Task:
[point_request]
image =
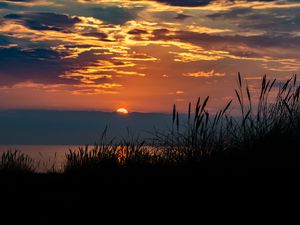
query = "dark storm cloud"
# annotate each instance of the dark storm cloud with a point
(45, 21)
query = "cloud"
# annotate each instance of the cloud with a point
(272, 52)
(211, 73)
(137, 31)
(181, 16)
(247, 46)
(87, 48)
(223, 3)
(40, 65)
(3, 5)
(212, 41)
(45, 21)
(186, 3)
(29, 4)
(77, 89)
(113, 15)
(4, 40)
(272, 21)
(46, 69)
(20, 0)
(100, 35)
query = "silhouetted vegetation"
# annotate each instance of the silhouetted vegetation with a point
(265, 135)
(111, 156)
(16, 162)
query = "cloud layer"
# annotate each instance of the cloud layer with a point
(132, 52)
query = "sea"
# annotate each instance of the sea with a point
(46, 157)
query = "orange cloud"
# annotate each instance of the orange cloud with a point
(211, 73)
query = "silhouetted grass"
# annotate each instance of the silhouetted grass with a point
(268, 130)
(265, 135)
(111, 156)
(16, 162)
(198, 138)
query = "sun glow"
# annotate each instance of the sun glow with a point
(122, 111)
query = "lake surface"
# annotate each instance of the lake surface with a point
(45, 156)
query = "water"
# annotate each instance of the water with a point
(45, 156)
(49, 157)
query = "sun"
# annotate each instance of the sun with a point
(122, 111)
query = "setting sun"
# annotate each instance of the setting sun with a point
(122, 111)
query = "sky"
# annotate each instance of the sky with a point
(141, 55)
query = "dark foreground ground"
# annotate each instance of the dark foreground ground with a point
(156, 197)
